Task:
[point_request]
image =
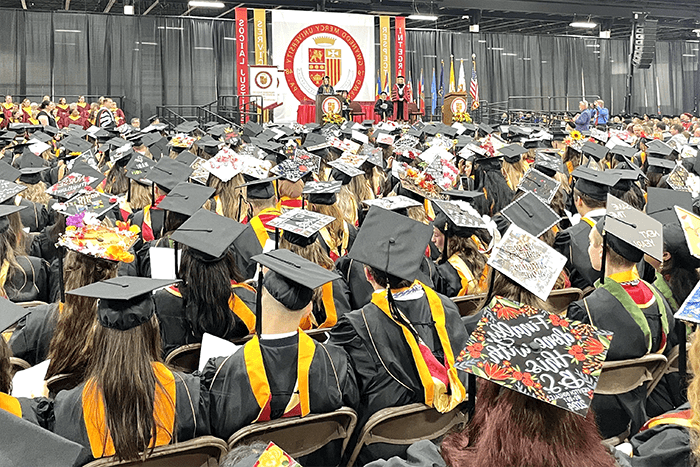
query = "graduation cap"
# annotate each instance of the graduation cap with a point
(632, 233)
(689, 311)
(678, 178)
(594, 183)
(297, 166)
(186, 157)
(690, 226)
(41, 136)
(343, 172)
(485, 129)
(457, 219)
(31, 163)
(138, 167)
(322, 192)
(512, 153)
(658, 165)
(259, 188)
(300, 226)
(186, 198)
(252, 129)
(168, 172)
(70, 185)
(539, 184)
(52, 130)
(465, 195)
(659, 148)
(569, 385)
(9, 173)
(74, 145)
(8, 190)
(530, 213)
(10, 313)
(392, 203)
(187, 127)
(623, 150)
(125, 301)
(98, 241)
(527, 260)
(549, 163)
(91, 201)
(596, 151)
(209, 144)
(208, 233)
(391, 243)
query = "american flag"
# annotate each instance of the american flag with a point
(474, 87)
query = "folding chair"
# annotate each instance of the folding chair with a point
(355, 110)
(301, 436)
(185, 358)
(62, 382)
(205, 451)
(407, 425)
(469, 305)
(18, 364)
(560, 299)
(31, 304)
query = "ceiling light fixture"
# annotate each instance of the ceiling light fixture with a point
(583, 24)
(604, 35)
(420, 17)
(205, 4)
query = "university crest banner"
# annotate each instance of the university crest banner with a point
(311, 45)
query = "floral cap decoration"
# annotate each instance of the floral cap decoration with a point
(86, 235)
(537, 353)
(274, 456)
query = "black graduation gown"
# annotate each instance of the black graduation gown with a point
(614, 412)
(157, 222)
(383, 112)
(31, 338)
(448, 282)
(341, 301)
(38, 411)
(353, 273)
(233, 404)
(43, 246)
(34, 215)
(386, 372)
(191, 412)
(175, 330)
(31, 282)
(573, 244)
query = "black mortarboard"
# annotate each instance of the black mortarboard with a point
(9, 173)
(75, 145)
(659, 165)
(168, 172)
(485, 129)
(512, 153)
(466, 195)
(659, 148)
(53, 131)
(31, 163)
(596, 151)
(322, 192)
(622, 150)
(260, 189)
(138, 168)
(391, 243)
(548, 163)
(10, 313)
(208, 233)
(186, 157)
(594, 183)
(208, 144)
(454, 220)
(186, 198)
(186, 127)
(530, 214)
(539, 184)
(660, 203)
(125, 301)
(41, 136)
(252, 129)
(633, 232)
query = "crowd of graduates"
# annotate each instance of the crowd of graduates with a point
(335, 255)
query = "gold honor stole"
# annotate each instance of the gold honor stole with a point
(298, 404)
(10, 404)
(101, 442)
(443, 397)
(336, 251)
(469, 283)
(219, 205)
(682, 418)
(309, 322)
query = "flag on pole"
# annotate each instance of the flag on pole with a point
(409, 84)
(461, 83)
(452, 74)
(379, 85)
(433, 96)
(442, 81)
(421, 94)
(474, 86)
(387, 88)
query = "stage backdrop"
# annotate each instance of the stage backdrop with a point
(310, 45)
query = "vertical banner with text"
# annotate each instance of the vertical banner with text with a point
(385, 52)
(242, 56)
(400, 46)
(260, 36)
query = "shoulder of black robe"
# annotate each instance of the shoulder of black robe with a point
(174, 328)
(663, 445)
(31, 338)
(35, 215)
(29, 283)
(448, 281)
(578, 263)
(353, 273)
(341, 299)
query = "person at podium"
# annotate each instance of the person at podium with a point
(325, 88)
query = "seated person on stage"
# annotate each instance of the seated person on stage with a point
(344, 105)
(163, 406)
(627, 306)
(282, 372)
(325, 88)
(383, 107)
(403, 344)
(590, 192)
(211, 297)
(263, 202)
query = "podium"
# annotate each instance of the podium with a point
(326, 103)
(455, 102)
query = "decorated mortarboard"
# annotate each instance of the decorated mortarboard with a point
(122, 154)
(8, 190)
(353, 160)
(187, 127)
(539, 184)
(392, 203)
(182, 140)
(322, 192)
(273, 455)
(91, 201)
(678, 178)
(440, 141)
(599, 135)
(659, 148)
(37, 147)
(392, 243)
(208, 233)
(690, 223)
(70, 185)
(299, 165)
(225, 165)
(417, 182)
(689, 311)
(659, 165)
(406, 142)
(442, 171)
(168, 172)
(530, 213)
(634, 232)
(138, 168)
(688, 152)
(457, 218)
(516, 363)
(549, 163)
(596, 151)
(86, 235)
(594, 183)
(345, 169)
(125, 301)
(385, 138)
(528, 261)
(512, 153)
(301, 224)
(660, 203)
(186, 198)
(9, 173)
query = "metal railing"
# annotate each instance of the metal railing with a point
(547, 110)
(240, 108)
(176, 114)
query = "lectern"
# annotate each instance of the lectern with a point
(327, 103)
(455, 102)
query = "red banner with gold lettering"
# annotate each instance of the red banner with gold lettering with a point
(242, 56)
(400, 33)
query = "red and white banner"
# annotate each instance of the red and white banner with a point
(400, 47)
(242, 53)
(311, 45)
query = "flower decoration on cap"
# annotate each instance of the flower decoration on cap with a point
(86, 235)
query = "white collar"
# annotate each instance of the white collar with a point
(283, 335)
(600, 212)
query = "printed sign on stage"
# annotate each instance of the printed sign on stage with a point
(315, 44)
(264, 81)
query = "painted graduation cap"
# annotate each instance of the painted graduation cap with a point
(690, 224)
(392, 203)
(168, 172)
(530, 213)
(99, 241)
(596, 151)
(322, 192)
(138, 168)
(539, 184)
(91, 201)
(689, 311)
(391, 243)
(8, 190)
(487, 356)
(125, 301)
(660, 203)
(594, 183)
(300, 226)
(633, 232)
(455, 218)
(512, 153)
(186, 198)
(208, 233)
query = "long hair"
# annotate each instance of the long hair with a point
(121, 368)
(498, 193)
(467, 250)
(510, 429)
(21, 240)
(347, 206)
(9, 254)
(361, 188)
(206, 290)
(314, 252)
(514, 172)
(117, 182)
(694, 393)
(682, 276)
(5, 367)
(139, 196)
(229, 195)
(335, 228)
(72, 340)
(506, 287)
(35, 192)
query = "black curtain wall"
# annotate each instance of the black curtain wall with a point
(155, 61)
